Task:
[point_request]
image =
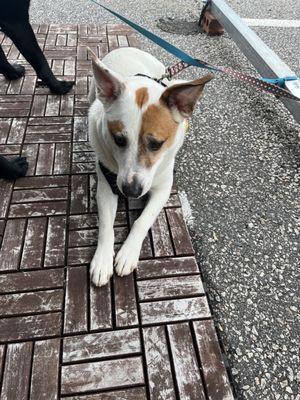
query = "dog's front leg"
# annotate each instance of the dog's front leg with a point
(101, 268)
(128, 256)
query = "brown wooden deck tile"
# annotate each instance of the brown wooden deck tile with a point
(125, 301)
(174, 310)
(45, 370)
(30, 303)
(161, 385)
(101, 345)
(175, 287)
(166, 267)
(16, 376)
(29, 327)
(128, 394)
(185, 362)
(147, 336)
(102, 375)
(76, 300)
(215, 374)
(32, 280)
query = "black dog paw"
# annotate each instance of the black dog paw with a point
(62, 87)
(18, 167)
(15, 72)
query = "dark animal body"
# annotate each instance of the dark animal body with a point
(14, 22)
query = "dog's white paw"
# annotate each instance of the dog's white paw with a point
(101, 268)
(127, 258)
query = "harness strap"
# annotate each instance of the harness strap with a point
(154, 79)
(111, 179)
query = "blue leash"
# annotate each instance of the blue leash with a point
(274, 86)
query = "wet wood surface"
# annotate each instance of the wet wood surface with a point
(148, 336)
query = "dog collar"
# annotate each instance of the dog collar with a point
(153, 79)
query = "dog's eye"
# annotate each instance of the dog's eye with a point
(120, 140)
(154, 145)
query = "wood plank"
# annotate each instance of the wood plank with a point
(100, 307)
(37, 195)
(125, 301)
(102, 375)
(214, 371)
(127, 394)
(10, 252)
(62, 159)
(187, 372)
(33, 326)
(26, 281)
(180, 286)
(81, 255)
(46, 208)
(167, 267)
(76, 300)
(174, 310)
(180, 235)
(45, 370)
(158, 364)
(99, 345)
(33, 249)
(79, 194)
(5, 193)
(89, 237)
(45, 159)
(162, 243)
(56, 242)
(16, 375)
(41, 182)
(17, 131)
(30, 303)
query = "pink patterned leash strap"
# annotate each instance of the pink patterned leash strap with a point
(260, 84)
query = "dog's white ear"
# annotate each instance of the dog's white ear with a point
(108, 86)
(182, 98)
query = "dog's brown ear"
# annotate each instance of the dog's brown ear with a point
(182, 98)
(108, 86)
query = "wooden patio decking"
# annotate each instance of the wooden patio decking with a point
(146, 336)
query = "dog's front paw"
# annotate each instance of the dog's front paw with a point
(101, 268)
(128, 257)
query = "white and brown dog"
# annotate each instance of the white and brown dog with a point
(136, 127)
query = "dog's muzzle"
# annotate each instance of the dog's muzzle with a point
(133, 189)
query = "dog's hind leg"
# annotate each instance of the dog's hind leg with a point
(10, 71)
(22, 35)
(101, 268)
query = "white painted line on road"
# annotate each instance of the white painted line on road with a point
(275, 23)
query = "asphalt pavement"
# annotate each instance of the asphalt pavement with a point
(239, 171)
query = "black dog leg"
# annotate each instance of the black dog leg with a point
(10, 72)
(13, 169)
(22, 35)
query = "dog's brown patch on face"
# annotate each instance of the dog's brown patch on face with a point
(141, 96)
(115, 127)
(157, 124)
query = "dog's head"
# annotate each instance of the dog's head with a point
(145, 122)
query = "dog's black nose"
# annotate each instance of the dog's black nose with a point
(133, 189)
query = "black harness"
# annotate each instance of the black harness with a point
(111, 179)
(153, 79)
